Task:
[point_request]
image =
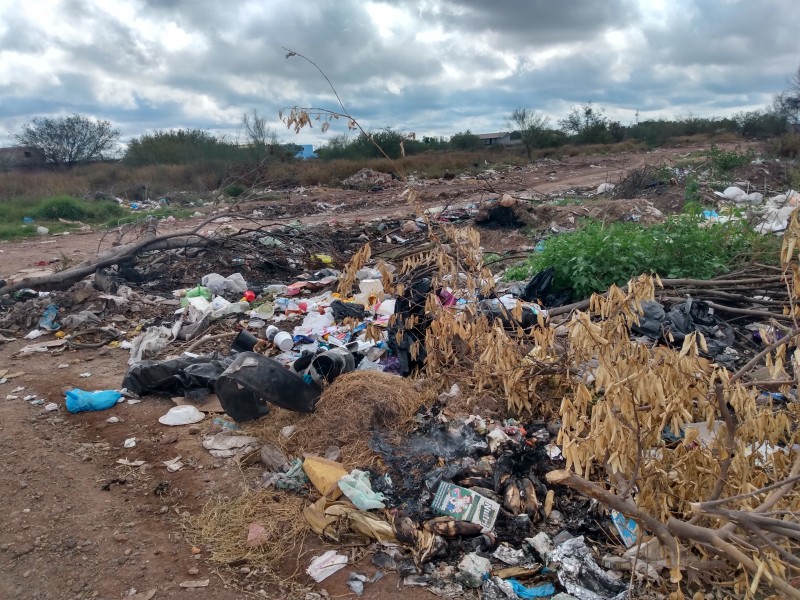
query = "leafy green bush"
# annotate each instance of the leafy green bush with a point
(235, 190)
(77, 209)
(62, 207)
(597, 255)
(725, 161)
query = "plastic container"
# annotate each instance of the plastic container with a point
(232, 308)
(80, 400)
(244, 342)
(283, 341)
(276, 289)
(265, 310)
(329, 365)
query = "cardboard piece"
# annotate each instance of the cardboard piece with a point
(325, 475)
(465, 505)
(209, 405)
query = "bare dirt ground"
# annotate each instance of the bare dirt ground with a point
(76, 524)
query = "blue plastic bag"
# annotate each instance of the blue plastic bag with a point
(80, 400)
(540, 591)
(48, 320)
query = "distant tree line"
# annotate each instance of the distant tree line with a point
(67, 141)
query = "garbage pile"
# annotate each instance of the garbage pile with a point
(419, 408)
(772, 214)
(368, 180)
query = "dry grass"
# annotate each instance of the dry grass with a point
(109, 178)
(349, 410)
(221, 527)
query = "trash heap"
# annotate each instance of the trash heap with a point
(460, 433)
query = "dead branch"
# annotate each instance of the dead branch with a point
(67, 277)
(673, 530)
(757, 358)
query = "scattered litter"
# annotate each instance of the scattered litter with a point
(80, 400)
(129, 443)
(465, 505)
(181, 415)
(224, 446)
(256, 535)
(582, 576)
(173, 465)
(472, 570)
(130, 463)
(112, 420)
(322, 567)
(324, 475)
(197, 583)
(85, 375)
(627, 528)
(357, 487)
(539, 591)
(50, 407)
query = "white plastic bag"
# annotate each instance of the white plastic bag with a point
(149, 343)
(358, 488)
(234, 284)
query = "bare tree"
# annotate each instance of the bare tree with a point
(257, 132)
(69, 140)
(530, 125)
(588, 123)
(787, 102)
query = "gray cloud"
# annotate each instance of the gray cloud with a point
(432, 66)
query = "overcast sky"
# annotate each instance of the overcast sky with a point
(433, 67)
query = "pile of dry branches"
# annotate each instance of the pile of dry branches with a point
(718, 496)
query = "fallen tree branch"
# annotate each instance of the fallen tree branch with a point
(67, 277)
(673, 530)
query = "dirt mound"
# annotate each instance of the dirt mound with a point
(369, 180)
(609, 211)
(503, 217)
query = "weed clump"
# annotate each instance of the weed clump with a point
(596, 255)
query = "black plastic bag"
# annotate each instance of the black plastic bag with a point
(252, 382)
(177, 377)
(342, 310)
(410, 303)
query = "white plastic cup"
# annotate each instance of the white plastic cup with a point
(283, 341)
(266, 310)
(271, 332)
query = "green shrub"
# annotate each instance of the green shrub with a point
(597, 255)
(77, 209)
(725, 161)
(62, 207)
(235, 190)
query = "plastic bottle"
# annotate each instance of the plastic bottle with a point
(276, 289)
(234, 308)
